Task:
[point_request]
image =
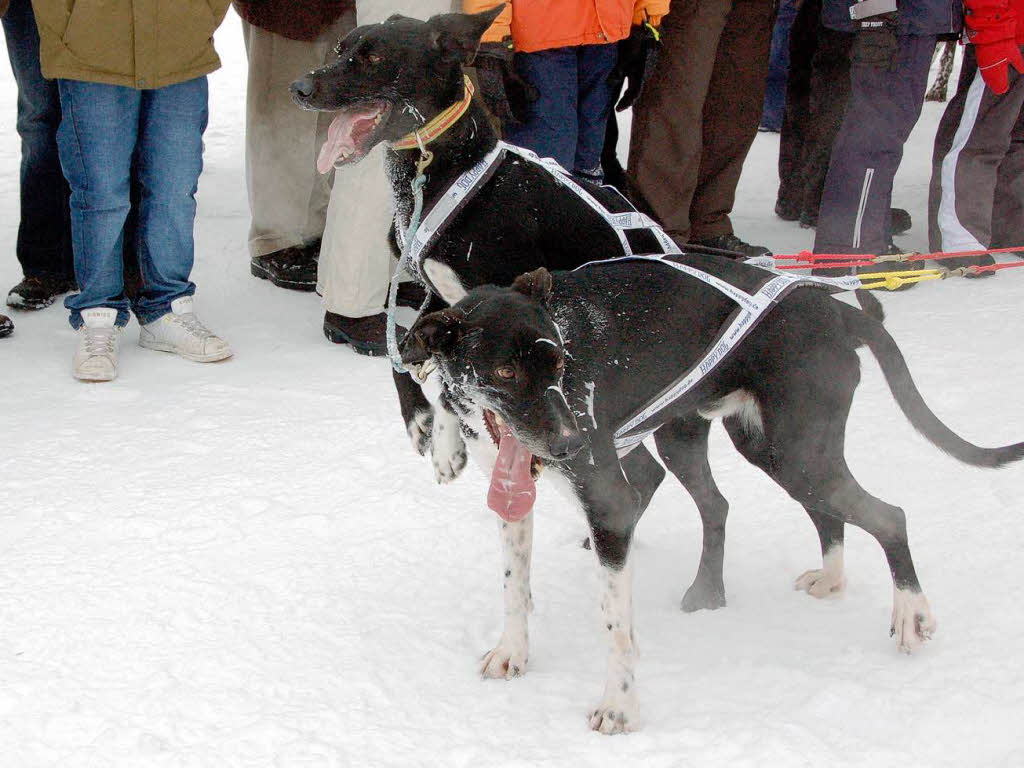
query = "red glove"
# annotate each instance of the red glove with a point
(992, 28)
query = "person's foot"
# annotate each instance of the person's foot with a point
(900, 221)
(892, 266)
(6, 326)
(180, 332)
(411, 294)
(293, 268)
(985, 260)
(786, 210)
(38, 291)
(95, 356)
(366, 335)
(732, 243)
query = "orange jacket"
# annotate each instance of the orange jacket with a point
(536, 25)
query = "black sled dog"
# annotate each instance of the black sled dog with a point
(563, 371)
(395, 78)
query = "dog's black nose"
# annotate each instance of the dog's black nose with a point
(566, 446)
(303, 87)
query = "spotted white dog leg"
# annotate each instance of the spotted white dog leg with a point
(618, 712)
(827, 581)
(420, 429)
(508, 658)
(448, 449)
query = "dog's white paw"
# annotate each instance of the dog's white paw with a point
(448, 449)
(827, 581)
(912, 620)
(505, 661)
(420, 429)
(821, 583)
(616, 713)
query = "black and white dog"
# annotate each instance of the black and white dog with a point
(546, 372)
(387, 81)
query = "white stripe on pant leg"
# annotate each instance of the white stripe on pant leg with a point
(954, 236)
(865, 190)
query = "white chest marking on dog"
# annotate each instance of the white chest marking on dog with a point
(617, 711)
(444, 279)
(740, 404)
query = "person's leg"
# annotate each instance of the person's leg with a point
(287, 196)
(665, 141)
(829, 94)
(778, 68)
(982, 124)
(355, 259)
(168, 164)
(593, 105)
(1008, 212)
(731, 114)
(550, 126)
(884, 105)
(97, 164)
(44, 232)
(803, 41)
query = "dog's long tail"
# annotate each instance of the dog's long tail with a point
(867, 328)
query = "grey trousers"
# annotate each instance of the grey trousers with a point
(976, 196)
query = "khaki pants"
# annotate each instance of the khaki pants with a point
(287, 197)
(355, 261)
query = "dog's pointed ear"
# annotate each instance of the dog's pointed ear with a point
(535, 285)
(457, 35)
(436, 333)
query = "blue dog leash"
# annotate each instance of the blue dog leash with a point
(420, 181)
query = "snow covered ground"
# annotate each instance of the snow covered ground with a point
(245, 564)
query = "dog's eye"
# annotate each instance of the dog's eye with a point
(373, 58)
(506, 372)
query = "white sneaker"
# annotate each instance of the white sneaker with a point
(98, 341)
(180, 332)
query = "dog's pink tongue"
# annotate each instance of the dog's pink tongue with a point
(339, 141)
(512, 490)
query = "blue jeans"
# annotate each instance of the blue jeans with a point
(109, 133)
(778, 68)
(44, 232)
(568, 121)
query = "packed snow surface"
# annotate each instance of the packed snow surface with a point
(245, 564)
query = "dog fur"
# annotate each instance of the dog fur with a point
(589, 347)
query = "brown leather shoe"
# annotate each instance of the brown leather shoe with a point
(366, 335)
(38, 291)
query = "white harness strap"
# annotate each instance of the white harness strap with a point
(466, 186)
(751, 307)
(749, 312)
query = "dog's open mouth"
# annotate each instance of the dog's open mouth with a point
(352, 134)
(513, 489)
